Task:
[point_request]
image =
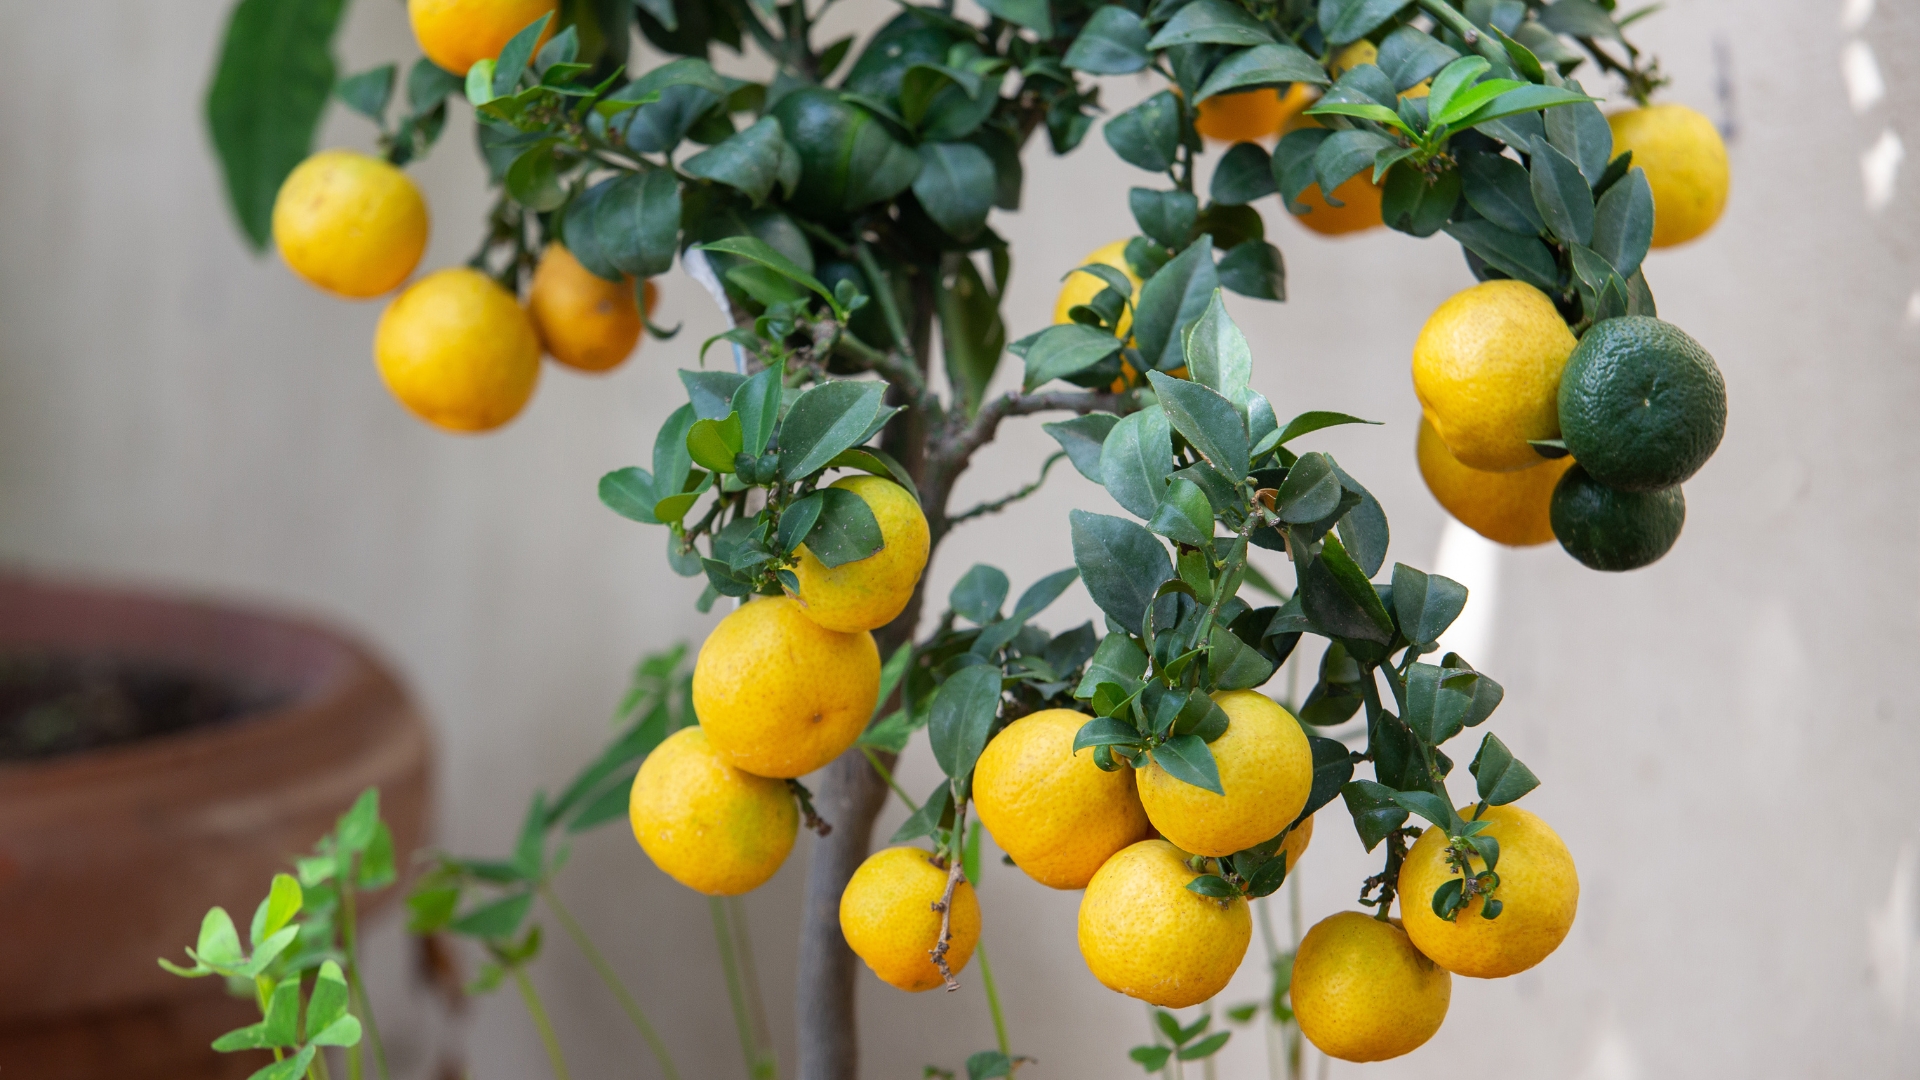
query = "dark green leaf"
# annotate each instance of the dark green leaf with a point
(1293, 170)
(1345, 154)
(846, 530)
(1262, 65)
(1033, 15)
(1151, 1058)
(759, 251)
(824, 420)
(1210, 22)
(1579, 18)
(1426, 603)
(1522, 257)
(1374, 812)
(1105, 731)
(1083, 438)
(1498, 776)
(1499, 190)
(629, 493)
(1623, 223)
(1187, 759)
(1340, 600)
(1147, 135)
(1234, 665)
(963, 713)
(1118, 660)
(1114, 42)
(516, 54)
(757, 402)
(1136, 460)
(626, 225)
(748, 162)
(1417, 202)
(368, 92)
(1310, 492)
(1065, 350)
(925, 820)
(1215, 886)
(1120, 562)
(1332, 768)
(1410, 56)
(1166, 216)
(1208, 1046)
(1315, 420)
(1217, 353)
(979, 594)
(972, 334)
(1342, 21)
(1526, 99)
(1580, 132)
(1208, 422)
(269, 90)
(1446, 898)
(1245, 173)
(956, 186)
(1042, 593)
(1184, 514)
(1254, 268)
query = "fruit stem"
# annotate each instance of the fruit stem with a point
(955, 869)
(607, 975)
(912, 807)
(540, 1021)
(993, 1002)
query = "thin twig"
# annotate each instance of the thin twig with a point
(540, 1021)
(611, 979)
(993, 1002)
(887, 775)
(944, 906)
(1002, 503)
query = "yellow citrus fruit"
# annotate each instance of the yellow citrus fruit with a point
(350, 224)
(584, 320)
(1359, 209)
(1362, 992)
(779, 694)
(1081, 288)
(1052, 810)
(1266, 770)
(1486, 369)
(1506, 507)
(1295, 845)
(711, 827)
(1145, 934)
(458, 351)
(1354, 55)
(868, 593)
(1247, 116)
(888, 918)
(456, 34)
(1538, 893)
(1686, 165)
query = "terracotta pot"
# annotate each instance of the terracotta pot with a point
(109, 857)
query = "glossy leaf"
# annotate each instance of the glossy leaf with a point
(1418, 202)
(1114, 42)
(1426, 604)
(1498, 776)
(1120, 562)
(1118, 660)
(1136, 460)
(1065, 350)
(750, 162)
(824, 420)
(1264, 64)
(1522, 257)
(1166, 216)
(964, 709)
(756, 250)
(1580, 132)
(1210, 22)
(1499, 190)
(1244, 174)
(1188, 759)
(956, 186)
(1209, 423)
(1337, 596)
(1184, 514)
(1343, 21)
(1042, 593)
(1410, 56)
(1623, 223)
(1310, 492)
(846, 530)
(1084, 439)
(925, 820)
(1147, 135)
(1254, 268)
(979, 594)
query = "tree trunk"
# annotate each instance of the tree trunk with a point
(851, 793)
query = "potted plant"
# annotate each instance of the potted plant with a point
(839, 211)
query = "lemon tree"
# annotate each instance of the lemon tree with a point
(841, 213)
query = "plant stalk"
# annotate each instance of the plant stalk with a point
(993, 1001)
(540, 1021)
(750, 1050)
(1450, 17)
(612, 980)
(357, 990)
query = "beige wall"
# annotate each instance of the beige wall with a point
(1728, 739)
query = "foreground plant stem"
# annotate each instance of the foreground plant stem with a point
(753, 1051)
(350, 938)
(993, 1002)
(611, 979)
(540, 1021)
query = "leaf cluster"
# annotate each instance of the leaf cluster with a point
(1184, 1042)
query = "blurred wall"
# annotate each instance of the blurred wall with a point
(1727, 738)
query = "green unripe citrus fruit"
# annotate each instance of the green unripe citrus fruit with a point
(1642, 405)
(1609, 529)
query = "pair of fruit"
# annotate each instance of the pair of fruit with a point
(1639, 405)
(1369, 989)
(782, 686)
(455, 348)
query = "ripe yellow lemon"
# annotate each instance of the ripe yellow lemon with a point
(1295, 845)
(711, 827)
(779, 694)
(888, 918)
(585, 321)
(350, 224)
(456, 34)
(1052, 810)
(1360, 52)
(1486, 369)
(1506, 507)
(1538, 893)
(868, 593)
(1686, 165)
(1081, 288)
(1362, 992)
(1266, 770)
(1247, 116)
(457, 350)
(1145, 934)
